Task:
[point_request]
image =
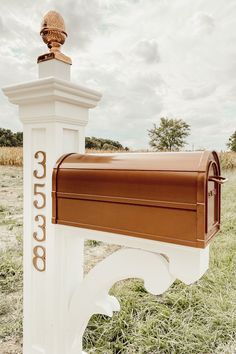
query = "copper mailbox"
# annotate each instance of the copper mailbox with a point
(171, 197)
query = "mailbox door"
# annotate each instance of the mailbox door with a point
(213, 198)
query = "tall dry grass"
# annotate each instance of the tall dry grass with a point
(11, 156)
(95, 151)
(227, 160)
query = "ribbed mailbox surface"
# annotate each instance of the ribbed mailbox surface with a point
(169, 197)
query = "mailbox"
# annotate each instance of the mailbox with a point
(171, 197)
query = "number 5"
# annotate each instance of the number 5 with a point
(36, 192)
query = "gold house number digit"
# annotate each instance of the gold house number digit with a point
(42, 163)
(39, 252)
(39, 259)
(37, 203)
(42, 227)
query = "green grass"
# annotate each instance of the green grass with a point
(92, 243)
(11, 292)
(197, 319)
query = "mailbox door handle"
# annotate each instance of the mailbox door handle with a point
(218, 179)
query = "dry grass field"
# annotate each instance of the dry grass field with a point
(196, 319)
(13, 156)
(228, 160)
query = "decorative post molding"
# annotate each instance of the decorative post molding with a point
(54, 113)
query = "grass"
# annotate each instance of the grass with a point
(228, 160)
(13, 156)
(92, 243)
(11, 274)
(196, 319)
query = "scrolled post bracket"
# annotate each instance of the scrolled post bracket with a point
(91, 296)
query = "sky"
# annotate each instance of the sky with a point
(149, 59)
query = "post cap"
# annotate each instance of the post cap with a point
(54, 34)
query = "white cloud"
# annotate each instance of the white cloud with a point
(150, 58)
(202, 23)
(147, 50)
(200, 92)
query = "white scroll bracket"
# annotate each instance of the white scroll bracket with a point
(91, 296)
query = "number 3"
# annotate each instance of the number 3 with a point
(42, 227)
(42, 163)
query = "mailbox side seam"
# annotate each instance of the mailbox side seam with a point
(55, 185)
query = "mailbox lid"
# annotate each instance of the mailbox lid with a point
(160, 161)
(159, 177)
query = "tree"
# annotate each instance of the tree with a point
(92, 143)
(8, 138)
(103, 144)
(169, 135)
(232, 142)
(19, 138)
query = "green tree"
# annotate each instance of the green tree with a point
(232, 142)
(8, 138)
(103, 144)
(92, 143)
(19, 138)
(169, 135)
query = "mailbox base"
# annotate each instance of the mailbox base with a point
(157, 263)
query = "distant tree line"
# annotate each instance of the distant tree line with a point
(8, 138)
(169, 135)
(103, 144)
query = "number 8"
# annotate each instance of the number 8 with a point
(39, 260)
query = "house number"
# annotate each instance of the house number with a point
(42, 226)
(40, 155)
(39, 251)
(39, 259)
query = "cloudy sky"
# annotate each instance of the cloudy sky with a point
(149, 58)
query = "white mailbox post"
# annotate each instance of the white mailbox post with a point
(58, 299)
